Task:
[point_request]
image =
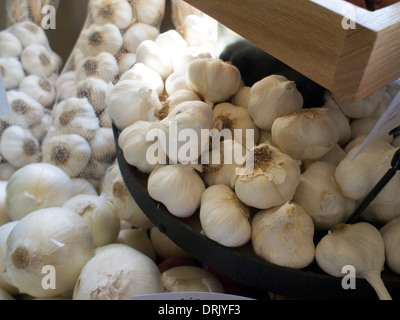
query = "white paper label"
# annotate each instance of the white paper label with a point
(189, 296)
(389, 121)
(5, 109)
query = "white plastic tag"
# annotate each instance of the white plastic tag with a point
(388, 121)
(5, 109)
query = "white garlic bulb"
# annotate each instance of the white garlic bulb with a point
(19, 147)
(10, 46)
(100, 214)
(95, 90)
(125, 61)
(111, 11)
(130, 101)
(25, 111)
(4, 218)
(117, 272)
(53, 236)
(174, 100)
(182, 58)
(307, 133)
(164, 247)
(95, 39)
(390, 235)
(69, 152)
(175, 81)
(141, 72)
(321, 197)
(41, 129)
(66, 84)
(103, 145)
(196, 30)
(220, 163)
(181, 180)
(134, 142)
(30, 33)
(242, 97)
(193, 116)
(362, 108)
(190, 279)
(238, 120)
(82, 186)
(171, 41)
(283, 236)
(5, 231)
(103, 66)
(213, 80)
(39, 60)
(37, 186)
(40, 89)
(363, 126)
(12, 72)
(138, 239)
(150, 11)
(223, 217)
(137, 33)
(155, 57)
(269, 179)
(75, 116)
(357, 177)
(359, 245)
(273, 97)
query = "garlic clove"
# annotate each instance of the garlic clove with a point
(283, 236)
(359, 245)
(70, 152)
(223, 217)
(270, 178)
(180, 180)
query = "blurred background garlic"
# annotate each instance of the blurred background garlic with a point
(137, 33)
(95, 91)
(40, 61)
(40, 89)
(103, 65)
(12, 72)
(29, 33)
(111, 11)
(10, 46)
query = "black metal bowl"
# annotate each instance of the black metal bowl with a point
(308, 283)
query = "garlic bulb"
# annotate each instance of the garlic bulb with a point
(174, 100)
(150, 11)
(12, 72)
(270, 180)
(37, 186)
(10, 46)
(19, 147)
(306, 134)
(359, 245)
(117, 272)
(155, 57)
(221, 161)
(39, 60)
(95, 39)
(25, 111)
(53, 236)
(189, 118)
(213, 80)
(196, 30)
(75, 116)
(164, 246)
(4, 218)
(6, 171)
(175, 81)
(100, 214)
(130, 101)
(65, 84)
(125, 61)
(138, 239)
(238, 120)
(103, 146)
(171, 41)
(134, 144)
(390, 235)
(190, 279)
(141, 72)
(242, 97)
(41, 129)
(30, 33)
(357, 177)
(283, 236)
(5, 231)
(69, 152)
(82, 186)
(363, 126)
(362, 108)
(181, 180)
(182, 58)
(40, 89)
(321, 197)
(111, 11)
(137, 33)
(273, 97)
(95, 90)
(103, 66)
(223, 217)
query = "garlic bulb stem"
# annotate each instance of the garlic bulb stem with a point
(375, 280)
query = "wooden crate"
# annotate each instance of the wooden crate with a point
(309, 36)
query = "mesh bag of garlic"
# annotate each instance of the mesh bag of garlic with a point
(28, 10)
(29, 69)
